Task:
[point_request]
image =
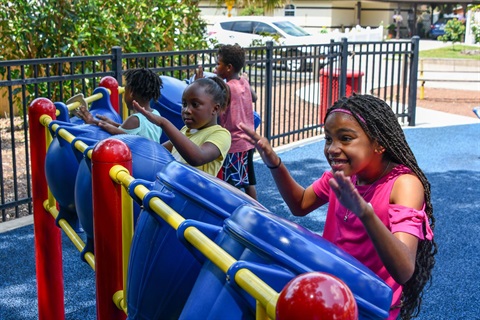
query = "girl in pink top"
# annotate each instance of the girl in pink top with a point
(238, 169)
(379, 199)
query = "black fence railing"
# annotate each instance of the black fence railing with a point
(294, 85)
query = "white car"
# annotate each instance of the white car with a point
(250, 31)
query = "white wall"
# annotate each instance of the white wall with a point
(315, 15)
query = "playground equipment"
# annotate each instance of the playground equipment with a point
(199, 248)
(304, 295)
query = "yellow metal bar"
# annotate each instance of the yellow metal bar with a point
(246, 279)
(258, 289)
(119, 300)
(92, 98)
(261, 313)
(422, 86)
(157, 205)
(67, 136)
(210, 249)
(45, 121)
(71, 234)
(125, 112)
(127, 226)
(422, 91)
(50, 204)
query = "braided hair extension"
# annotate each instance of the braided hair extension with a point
(218, 89)
(143, 83)
(234, 55)
(381, 124)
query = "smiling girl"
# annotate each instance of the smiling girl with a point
(379, 199)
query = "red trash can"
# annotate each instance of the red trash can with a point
(354, 84)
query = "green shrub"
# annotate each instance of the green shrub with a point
(51, 28)
(454, 31)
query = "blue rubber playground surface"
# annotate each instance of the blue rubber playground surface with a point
(450, 157)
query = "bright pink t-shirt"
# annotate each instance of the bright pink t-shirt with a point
(240, 110)
(350, 235)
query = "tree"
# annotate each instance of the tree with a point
(454, 31)
(51, 28)
(32, 29)
(266, 5)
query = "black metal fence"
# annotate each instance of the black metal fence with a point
(294, 85)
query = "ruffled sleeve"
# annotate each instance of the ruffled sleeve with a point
(409, 220)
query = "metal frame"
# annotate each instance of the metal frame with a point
(287, 80)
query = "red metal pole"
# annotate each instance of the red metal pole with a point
(112, 84)
(48, 241)
(107, 224)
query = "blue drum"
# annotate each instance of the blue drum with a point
(61, 166)
(277, 250)
(148, 157)
(162, 269)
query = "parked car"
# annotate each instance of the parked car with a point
(251, 31)
(256, 30)
(438, 28)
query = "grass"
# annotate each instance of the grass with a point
(456, 51)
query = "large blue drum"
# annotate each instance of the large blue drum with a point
(277, 250)
(62, 163)
(162, 269)
(148, 157)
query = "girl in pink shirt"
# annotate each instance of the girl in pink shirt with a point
(379, 199)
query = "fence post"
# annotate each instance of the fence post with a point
(268, 85)
(117, 64)
(107, 224)
(343, 74)
(412, 88)
(48, 241)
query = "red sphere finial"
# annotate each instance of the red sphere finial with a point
(316, 295)
(108, 82)
(111, 150)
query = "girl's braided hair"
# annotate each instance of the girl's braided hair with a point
(381, 124)
(143, 83)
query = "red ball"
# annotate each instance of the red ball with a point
(108, 82)
(316, 295)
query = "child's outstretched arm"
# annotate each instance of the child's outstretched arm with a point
(193, 154)
(199, 72)
(301, 201)
(84, 114)
(112, 127)
(109, 121)
(397, 251)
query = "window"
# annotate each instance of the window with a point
(243, 26)
(264, 29)
(289, 10)
(227, 25)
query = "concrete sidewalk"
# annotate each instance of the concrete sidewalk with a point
(427, 118)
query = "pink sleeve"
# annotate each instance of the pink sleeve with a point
(321, 186)
(408, 220)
